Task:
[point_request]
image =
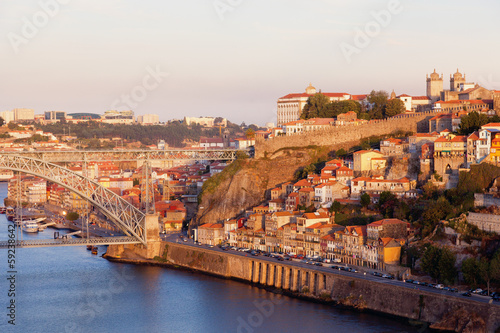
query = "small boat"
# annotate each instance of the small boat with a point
(30, 227)
(89, 247)
(3, 210)
(11, 213)
(94, 250)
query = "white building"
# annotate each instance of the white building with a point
(148, 119)
(290, 106)
(7, 116)
(24, 114)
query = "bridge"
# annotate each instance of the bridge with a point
(122, 214)
(128, 155)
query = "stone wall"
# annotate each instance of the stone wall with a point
(486, 222)
(351, 291)
(418, 122)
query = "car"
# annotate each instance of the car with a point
(455, 290)
(496, 298)
(185, 240)
(439, 286)
(335, 267)
(326, 261)
(447, 288)
(425, 284)
(318, 264)
(416, 282)
(210, 245)
(280, 258)
(477, 291)
(409, 281)
(337, 260)
(484, 293)
(353, 270)
(388, 276)
(467, 294)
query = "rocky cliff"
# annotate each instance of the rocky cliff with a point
(245, 183)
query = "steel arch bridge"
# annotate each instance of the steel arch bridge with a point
(126, 217)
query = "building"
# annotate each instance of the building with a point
(118, 117)
(211, 233)
(393, 147)
(148, 119)
(367, 160)
(205, 121)
(290, 106)
(54, 116)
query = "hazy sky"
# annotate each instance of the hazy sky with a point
(233, 58)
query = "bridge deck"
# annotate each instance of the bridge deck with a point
(69, 242)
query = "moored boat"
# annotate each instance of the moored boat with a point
(30, 226)
(94, 250)
(3, 209)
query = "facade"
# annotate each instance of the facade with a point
(148, 119)
(118, 117)
(290, 106)
(366, 160)
(204, 121)
(24, 114)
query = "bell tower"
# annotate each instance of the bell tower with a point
(456, 80)
(434, 86)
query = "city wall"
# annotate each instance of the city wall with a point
(337, 136)
(350, 291)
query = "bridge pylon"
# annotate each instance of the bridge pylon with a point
(148, 251)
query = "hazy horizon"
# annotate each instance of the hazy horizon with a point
(233, 59)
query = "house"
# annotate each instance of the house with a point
(394, 147)
(211, 233)
(367, 160)
(292, 201)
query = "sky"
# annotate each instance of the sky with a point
(233, 58)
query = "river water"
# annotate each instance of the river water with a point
(67, 289)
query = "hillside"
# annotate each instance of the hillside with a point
(244, 183)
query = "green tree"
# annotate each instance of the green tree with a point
(394, 107)
(250, 133)
(2, 121)
(316, 106)
(472, 122)
(470, 269)
(489, 269)
(335, 207)
(386, 203)
(447, 270)
(430, 261)
(365, 200)
(378, 99)
(340, 152)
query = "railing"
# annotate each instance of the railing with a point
(69, 242)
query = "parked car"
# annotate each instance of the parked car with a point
(409, 281)
(468, 294)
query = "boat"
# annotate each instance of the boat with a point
(94, 250)
(89, 247)
(10, 212)
(30, 226)
(3, 209)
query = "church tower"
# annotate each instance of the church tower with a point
(310, 90)
(434, 86)
(456, 80)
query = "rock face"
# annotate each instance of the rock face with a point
(248, 186)
(461, 321)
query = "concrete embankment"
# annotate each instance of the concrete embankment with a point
(440, 310)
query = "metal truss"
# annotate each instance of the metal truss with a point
(69, 242)
(125, 216)
(130, 155)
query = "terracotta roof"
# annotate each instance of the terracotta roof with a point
(385, 222)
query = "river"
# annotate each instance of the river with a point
(67, 289)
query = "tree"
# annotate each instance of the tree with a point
(447, 270)
(470, 269)
(386, 203)
(472, 122)
(489, 269)
(394, 107)
(335, 207)
(430, 261)
(378, 99)
(316, 106)
(250, 133)
(365, 200)
(2, 121)
(341, 152)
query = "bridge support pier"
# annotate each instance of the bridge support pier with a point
(149, 251)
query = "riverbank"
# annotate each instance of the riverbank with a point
(439, 310)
